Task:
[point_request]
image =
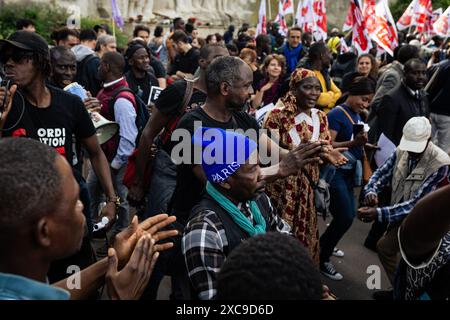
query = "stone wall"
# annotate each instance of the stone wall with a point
(214, 12)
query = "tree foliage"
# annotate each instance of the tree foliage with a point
(47, 17)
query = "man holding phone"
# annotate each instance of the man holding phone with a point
(36, 110)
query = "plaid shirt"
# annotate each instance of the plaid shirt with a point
(204, 245)
(383, 177)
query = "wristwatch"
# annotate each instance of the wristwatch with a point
(115, 200)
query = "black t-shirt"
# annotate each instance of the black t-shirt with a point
(170, 103)
(62, 125)
(189, 190)
(142, 86)
(158, 67)
(187, 63)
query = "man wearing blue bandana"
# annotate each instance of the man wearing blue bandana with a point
(233, 208)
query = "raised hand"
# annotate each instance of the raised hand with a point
(6, 100)
(296, 159)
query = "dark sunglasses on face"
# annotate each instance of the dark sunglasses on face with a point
(16, 55)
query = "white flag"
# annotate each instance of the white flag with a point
(262, 21)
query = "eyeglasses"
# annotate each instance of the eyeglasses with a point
(15, 55)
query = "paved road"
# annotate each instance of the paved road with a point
(353, 266)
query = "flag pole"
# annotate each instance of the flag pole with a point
(409, 30)
(294, 14)
(270, 9)
(113, 28)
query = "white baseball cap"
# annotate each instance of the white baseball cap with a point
(416, 133)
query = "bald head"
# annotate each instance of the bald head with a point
(63, 66)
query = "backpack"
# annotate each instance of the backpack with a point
(142, 114)
(82, 74)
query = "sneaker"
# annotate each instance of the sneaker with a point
(328, 270)
(338, 253)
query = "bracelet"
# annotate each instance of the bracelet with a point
(115, 200)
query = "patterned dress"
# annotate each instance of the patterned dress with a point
(293, 196)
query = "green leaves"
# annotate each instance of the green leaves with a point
(47, 17)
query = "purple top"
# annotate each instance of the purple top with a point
(273, 94)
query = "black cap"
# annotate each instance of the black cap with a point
(26, 40)
(132, 50)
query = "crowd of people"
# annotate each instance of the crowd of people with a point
(280, 130)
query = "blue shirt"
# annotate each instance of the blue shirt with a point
(14, 287)
(125, 115)
(339, 122)
(383, 177)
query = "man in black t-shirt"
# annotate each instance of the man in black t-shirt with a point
(165, 116)
(228, 94)
(185, 63)
(156, 66)
(45, 113)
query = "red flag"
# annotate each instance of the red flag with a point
(288, 7)
(384, 32)
(348, 24)
(308, 20)
(262, 21)
(406, 20)
(370, 16)
(281, 19)
(360, 36)
(423, 13)
(320, 15)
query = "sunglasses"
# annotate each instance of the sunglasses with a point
(15, 55)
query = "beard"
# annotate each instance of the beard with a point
(237, 107)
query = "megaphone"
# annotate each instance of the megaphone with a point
(104, 128)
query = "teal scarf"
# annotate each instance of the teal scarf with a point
(237, 215)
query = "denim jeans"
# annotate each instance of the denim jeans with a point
(97, 196)
(342, 209)
(162, 186)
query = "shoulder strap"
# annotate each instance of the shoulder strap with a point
(119, 90)
(346, 113)
(187, 94)
(114, 96)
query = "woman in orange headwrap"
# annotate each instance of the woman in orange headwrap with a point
(295, 120)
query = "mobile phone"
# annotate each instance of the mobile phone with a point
(7, 83)
(357, 128)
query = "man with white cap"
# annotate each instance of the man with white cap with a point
(417, 168)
